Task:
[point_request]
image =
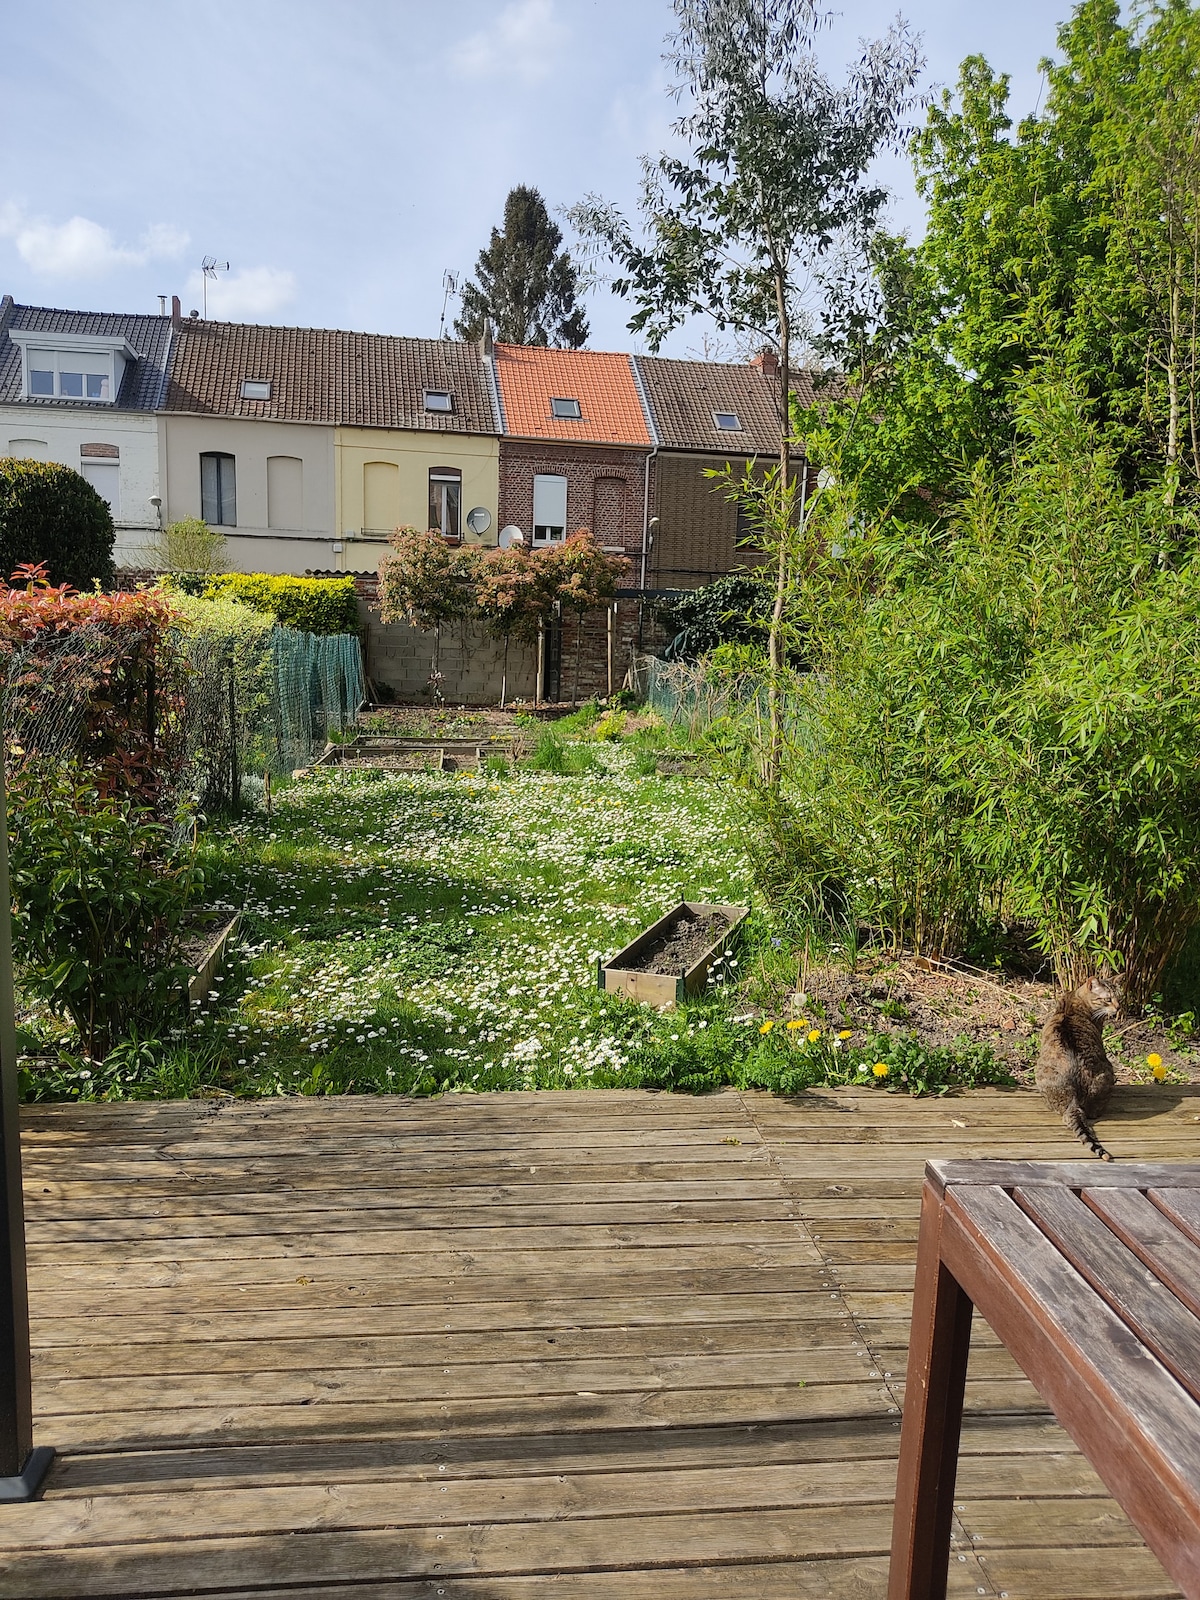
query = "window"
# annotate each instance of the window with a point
(65, 374)
(568, 410)
(748, 531)
(105, 478)
(255, 389)
(727, 421)
(549, 508)
(218, 490)
(439, 400)
(445, 500)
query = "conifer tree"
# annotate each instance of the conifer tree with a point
(525, 283)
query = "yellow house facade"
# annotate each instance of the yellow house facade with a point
(309, 446)
(385, 478)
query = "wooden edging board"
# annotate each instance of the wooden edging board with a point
(200, 981)
(662, 989)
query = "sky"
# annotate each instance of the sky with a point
(342, 155)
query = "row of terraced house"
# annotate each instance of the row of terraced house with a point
(306, 447)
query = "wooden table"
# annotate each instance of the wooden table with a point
(1090, 1274)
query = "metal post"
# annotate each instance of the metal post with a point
(22, 1468)
(235, 776)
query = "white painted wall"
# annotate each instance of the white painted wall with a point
(60, 431)
(254, 545)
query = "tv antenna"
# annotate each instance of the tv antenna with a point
(209, 268)
(449, 289)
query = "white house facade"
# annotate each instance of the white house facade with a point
(83, 388)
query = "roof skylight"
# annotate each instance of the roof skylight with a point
(439, 400)
(727, 421)
(568, 410)
(256, 389)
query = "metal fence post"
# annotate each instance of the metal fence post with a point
(22, 1468)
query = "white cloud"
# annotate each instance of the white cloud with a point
(81, 248)
(521, 44)
(249, 294)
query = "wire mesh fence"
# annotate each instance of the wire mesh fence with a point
(184, 726)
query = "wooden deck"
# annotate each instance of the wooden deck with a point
(509, 1347)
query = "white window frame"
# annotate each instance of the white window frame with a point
(442, 480)
(250, 385)
(549, 498)
(432, 395)
(720, 426)
(89, 355)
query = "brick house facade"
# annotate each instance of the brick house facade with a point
(606, 487)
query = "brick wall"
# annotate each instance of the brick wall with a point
(605, 488)
(695, 540)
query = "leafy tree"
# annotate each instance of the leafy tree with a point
(774, 196)
(1074, 240)
(729, 611)
(190, 545)
(587, 579)
(51, 516)
(427, 582)
(526, 282)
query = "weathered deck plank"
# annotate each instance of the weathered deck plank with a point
(613, 1345)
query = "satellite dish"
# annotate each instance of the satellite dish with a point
(479, 520)
(510, 536)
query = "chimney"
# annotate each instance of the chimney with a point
(487, 344)
(768, 361)
(176, 311)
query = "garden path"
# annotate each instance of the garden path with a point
(513, 1346)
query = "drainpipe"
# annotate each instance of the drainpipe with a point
(646, 517)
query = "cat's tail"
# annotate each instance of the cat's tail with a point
(1082, 1129)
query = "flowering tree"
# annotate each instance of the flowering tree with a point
(513, 596)
(427, 582)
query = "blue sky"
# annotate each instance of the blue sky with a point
(341, 154)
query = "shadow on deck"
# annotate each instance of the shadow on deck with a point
(513, 1346)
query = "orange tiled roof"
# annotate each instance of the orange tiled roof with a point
(529, 377)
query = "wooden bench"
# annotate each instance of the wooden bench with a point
(1090, 1274)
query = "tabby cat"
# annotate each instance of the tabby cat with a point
(1073, 1070)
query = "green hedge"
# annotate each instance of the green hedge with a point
(49, 513)
(312, 605)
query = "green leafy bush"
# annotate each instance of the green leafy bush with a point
(1004, 716)
(310, 605)
(50, 515)
(733, 610)
(191, 546)
(98, 894)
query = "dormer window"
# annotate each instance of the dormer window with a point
(256, 389)
(727, 421)
(567, 410)
(439, 400)
(72, 366)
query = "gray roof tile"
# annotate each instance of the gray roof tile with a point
(145, 379)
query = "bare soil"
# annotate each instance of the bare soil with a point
(684, 942)
(942, 1002)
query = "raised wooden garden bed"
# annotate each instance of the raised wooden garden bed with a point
(670, 961)
(443, 755)
(204, 953)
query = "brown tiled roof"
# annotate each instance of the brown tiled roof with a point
(684, 394)
(362, 380)
(530, 376)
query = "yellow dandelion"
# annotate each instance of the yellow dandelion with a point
(1154, 1060)
(1160, 1072)
(767, 1026)
(846, 1033)
(814, 1036)
(880, 1069)
(797, 1022)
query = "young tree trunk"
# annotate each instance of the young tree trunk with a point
(540, 680)
(775, 630)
